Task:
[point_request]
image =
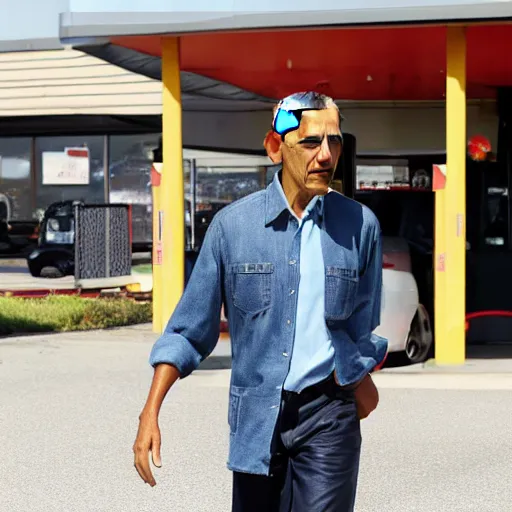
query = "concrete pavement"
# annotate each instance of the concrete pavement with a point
(68, 417)
(14, 275)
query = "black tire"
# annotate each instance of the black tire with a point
(35, 271)
(51, 272)
(420, 340)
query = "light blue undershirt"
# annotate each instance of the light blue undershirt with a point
(312, 358)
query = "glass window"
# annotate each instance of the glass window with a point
(223, 185)
(61, 173)
(384, 175)
(190, 228)
(217, 187)
(398, 191)
(131, 158)
(496, 218)
(16, 198)
(488, 206)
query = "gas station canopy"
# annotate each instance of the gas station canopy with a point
(282, 47)
(392, 63)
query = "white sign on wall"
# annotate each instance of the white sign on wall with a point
(68, 167)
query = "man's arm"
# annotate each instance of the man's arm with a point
(148, 436)
(194, 328)
(366, 319)
(190, 336)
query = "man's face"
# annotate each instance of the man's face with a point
(310, 153)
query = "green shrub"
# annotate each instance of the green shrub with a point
(61, 313)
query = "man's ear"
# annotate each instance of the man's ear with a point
(272, 144)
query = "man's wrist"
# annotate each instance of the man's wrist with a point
(149, 413)
(359, 382)
(352, 386)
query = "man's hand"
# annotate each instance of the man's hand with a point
(148, 440)
(367, 397)
(148, 437)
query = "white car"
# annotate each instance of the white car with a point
(404, 321)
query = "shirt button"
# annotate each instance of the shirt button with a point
(288, 322)
(292, 262)
(285, 354)
(292, 292)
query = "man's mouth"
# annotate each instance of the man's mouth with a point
(321, 171)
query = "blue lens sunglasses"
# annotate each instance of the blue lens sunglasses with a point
(289, 111)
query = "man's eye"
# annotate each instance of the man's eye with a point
(311, 145)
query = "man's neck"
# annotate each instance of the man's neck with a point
(297, 199)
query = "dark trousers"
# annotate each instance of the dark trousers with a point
(315, 462)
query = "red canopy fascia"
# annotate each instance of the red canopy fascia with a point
(371, 63)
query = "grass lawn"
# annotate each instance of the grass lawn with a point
(62, 313)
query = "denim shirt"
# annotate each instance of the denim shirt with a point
(249, 263)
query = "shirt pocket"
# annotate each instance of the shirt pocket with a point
(341, 285)
(251, 285)
(234, 409)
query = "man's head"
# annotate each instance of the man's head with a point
(306, 138)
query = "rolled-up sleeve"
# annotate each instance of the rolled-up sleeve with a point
(193, 329)
(366, 317)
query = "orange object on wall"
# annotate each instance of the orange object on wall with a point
(478, 148)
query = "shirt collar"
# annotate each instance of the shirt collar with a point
(277, 203)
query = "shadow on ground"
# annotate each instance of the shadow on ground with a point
(473, 351)
(216, 363)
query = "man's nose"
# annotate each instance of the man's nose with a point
(324, 155)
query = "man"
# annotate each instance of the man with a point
(298, 268)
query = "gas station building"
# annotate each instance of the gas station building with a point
(415, 80)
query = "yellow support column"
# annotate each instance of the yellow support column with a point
(172, 191)
(450, 307)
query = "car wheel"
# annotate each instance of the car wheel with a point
(34, 271)
(420, 337)
(51, 273)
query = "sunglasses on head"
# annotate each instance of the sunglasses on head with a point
(289, 110)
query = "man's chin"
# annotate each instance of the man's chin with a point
(319, 189)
